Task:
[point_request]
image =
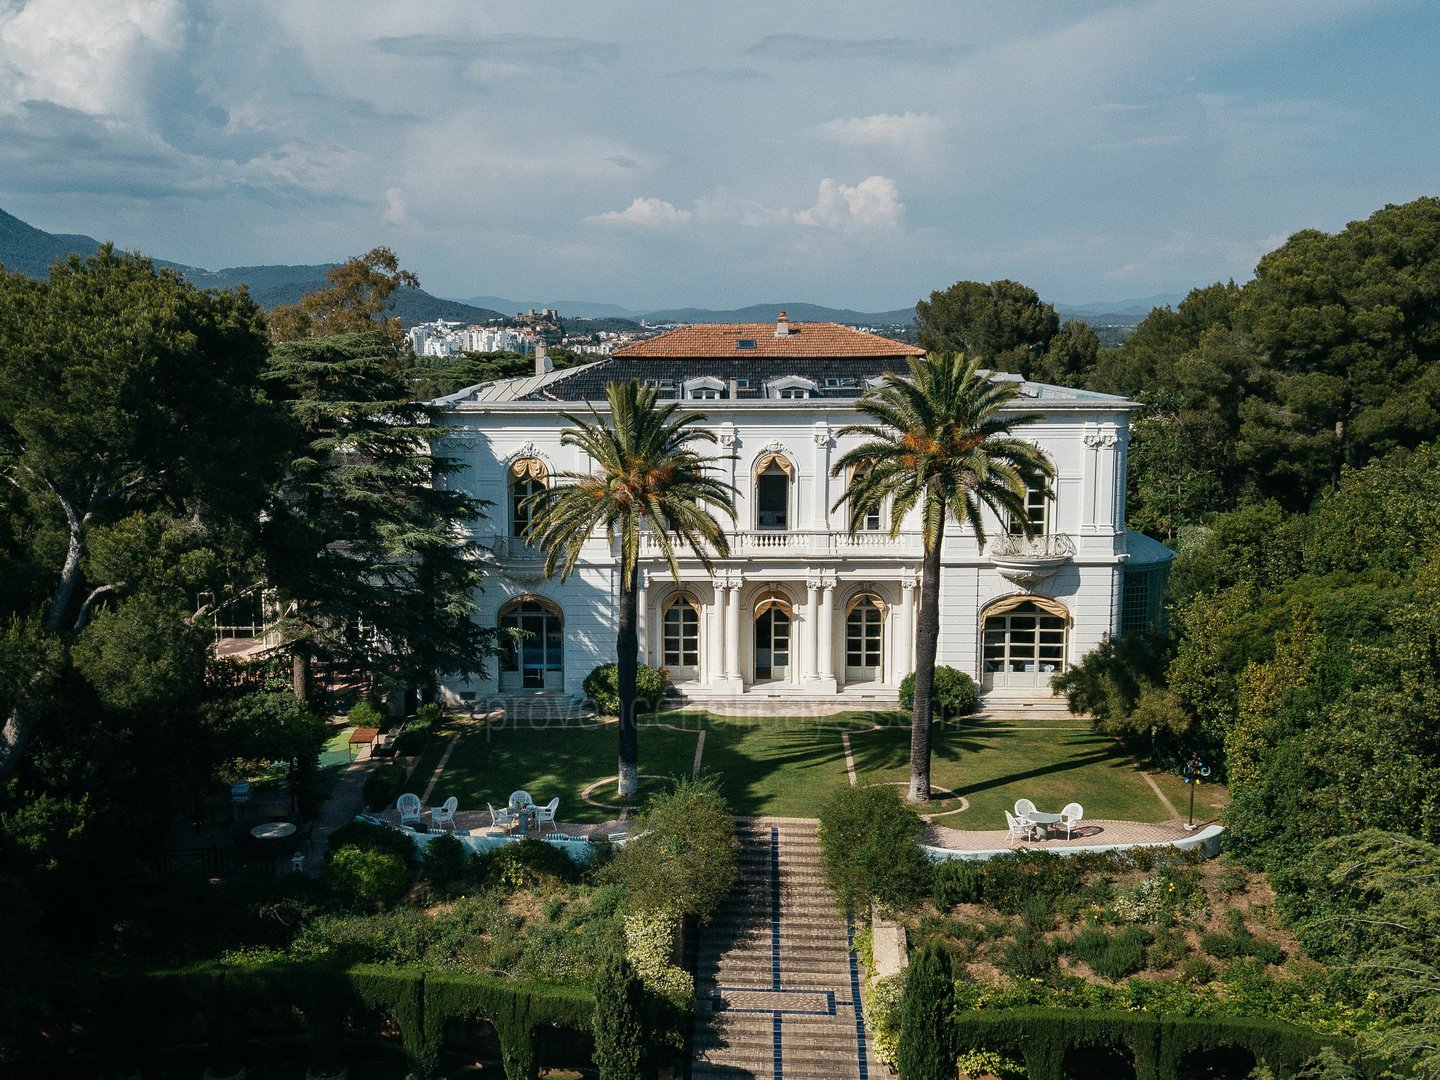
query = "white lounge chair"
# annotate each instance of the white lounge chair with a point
(444, 814)
(409, 807)
(546, 813)
(1071, 816)
(1018, 828)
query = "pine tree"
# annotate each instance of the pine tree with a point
(619, 1031)
(927, 1024)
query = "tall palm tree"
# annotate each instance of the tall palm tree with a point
(648, 475)
(941, 442)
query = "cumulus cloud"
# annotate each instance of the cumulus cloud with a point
(646, 213)
(396, 210)
(88, 55)
(872, 203)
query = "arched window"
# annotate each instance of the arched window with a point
(681, 633)
(1025, 642)
(773, 620)
(864, 639)
(532, 645)
(773, 474)
(528, 476)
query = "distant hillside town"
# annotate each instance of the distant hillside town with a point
(446, 337)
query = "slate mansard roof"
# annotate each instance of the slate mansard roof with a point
(740, 362)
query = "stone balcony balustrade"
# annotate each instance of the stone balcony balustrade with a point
(1027, 561)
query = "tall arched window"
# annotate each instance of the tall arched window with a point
(681, 634)
(773, 621)
(1025, 642)
(1038, 505)
(532, 645)
(773, 475)
(864, 639)
(528, 477)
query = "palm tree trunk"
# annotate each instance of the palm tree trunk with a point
(927, 639)
(627, 659)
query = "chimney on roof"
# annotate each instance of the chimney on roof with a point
(782, 325)
(543, 363)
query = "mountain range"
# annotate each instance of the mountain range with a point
(32, 251)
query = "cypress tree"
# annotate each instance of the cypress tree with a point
(618, 1026)
(927, 1023)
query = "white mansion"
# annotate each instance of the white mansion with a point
(801, 608)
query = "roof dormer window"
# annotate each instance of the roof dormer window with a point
(704, 389)
(791, 388)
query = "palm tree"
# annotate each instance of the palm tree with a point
(648, 475)
(940, 441)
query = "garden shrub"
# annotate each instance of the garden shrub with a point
(927, 1029)
(412, 738)
(870, 838)
(682, 860)
(957, 881)
(649, 939)
(383, 786)
(953, 692)
(1167, 950)
(445, 859)
(430, 714)
(1014, 879)
(362, 834)
(1124, 955)
(618, 1024)
(1028, 955)
(882, 1015)
(528, 864)
(368, 878)
(366, 714)
(601, 687)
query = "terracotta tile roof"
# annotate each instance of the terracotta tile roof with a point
(805, 340)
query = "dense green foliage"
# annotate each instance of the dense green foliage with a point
(618, 1026)
(682, 860)
(601, 687)
(928, 1047)
(954, 693)
(870, 839)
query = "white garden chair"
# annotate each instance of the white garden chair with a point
(1018, 828)
(1071, 816)
(546, 813)
(409, 807)
(444, 814)
(502, 818)
(1024, 808)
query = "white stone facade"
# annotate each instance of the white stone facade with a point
(794, 584)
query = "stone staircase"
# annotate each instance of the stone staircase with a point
(777, 986)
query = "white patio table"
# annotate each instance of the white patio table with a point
(1039, 818)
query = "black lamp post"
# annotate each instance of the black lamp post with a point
(1193, 772)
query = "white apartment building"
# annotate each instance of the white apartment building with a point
(801, 608)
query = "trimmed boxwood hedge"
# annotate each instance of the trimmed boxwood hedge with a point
(1159, 1043)
(422, 1003)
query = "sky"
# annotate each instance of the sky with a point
(655, 154)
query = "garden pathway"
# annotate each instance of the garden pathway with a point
(777, 984)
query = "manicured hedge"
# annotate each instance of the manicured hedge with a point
(1159, 1044)
(421, 1002)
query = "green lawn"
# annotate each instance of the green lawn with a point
(991, 763)
(788, 767)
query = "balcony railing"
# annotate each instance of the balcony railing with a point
(812, 542)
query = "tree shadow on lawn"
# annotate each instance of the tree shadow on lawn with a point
(879, 755)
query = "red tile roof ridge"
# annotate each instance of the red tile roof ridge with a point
(805, 340)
